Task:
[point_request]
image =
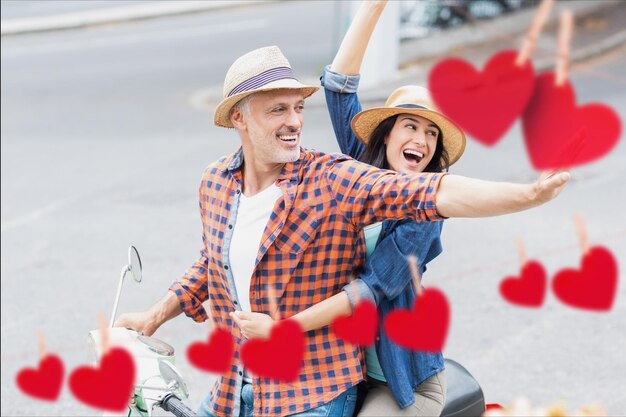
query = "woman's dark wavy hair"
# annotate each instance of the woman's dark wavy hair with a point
(376, 151)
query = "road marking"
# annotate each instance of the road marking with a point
(34, 215)
(131, 39)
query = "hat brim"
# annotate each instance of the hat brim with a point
(364, 123)
(221, 116)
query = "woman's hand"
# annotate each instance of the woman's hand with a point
(253, 325)
(549, 185)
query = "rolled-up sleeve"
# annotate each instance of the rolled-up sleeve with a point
(343, 104)
(338, 82)
(191, 289)
(358, 291)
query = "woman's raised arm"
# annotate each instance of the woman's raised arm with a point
(350, 54)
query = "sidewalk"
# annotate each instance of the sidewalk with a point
(149, 10)
(599, 28)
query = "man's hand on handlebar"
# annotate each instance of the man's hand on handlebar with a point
(147, 322)
(142, 322)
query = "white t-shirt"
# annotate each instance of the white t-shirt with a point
(253, 214)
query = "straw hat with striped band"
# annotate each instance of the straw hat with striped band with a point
(263, 69)
(414, 100)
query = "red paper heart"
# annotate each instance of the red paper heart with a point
(214, 356)
(594, 286)
(529, 289)
(484, 104)
(359, 328)
(45, 382)
(560, 135)
(425, 327)
(108, 386)
(280, 357)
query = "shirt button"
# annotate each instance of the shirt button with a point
(226, 267)
(230, 226)
(240, 373)
(377, 339)
(235, 302)
(238, 191)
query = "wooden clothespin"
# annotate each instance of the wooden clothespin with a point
(415, 273)
(563, 52)
(104, 334)
(582, 234)
(530, 40)
(520, 252)
(42, 345)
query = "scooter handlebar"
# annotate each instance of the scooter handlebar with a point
(175, 406)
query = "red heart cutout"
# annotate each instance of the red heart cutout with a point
(214, 356)
(108, 386)
(594, 286)
(425, 327)
(552, 125)
(484, 104)
(280, 357)
(45, 382)
(359, 328)
(529, 289)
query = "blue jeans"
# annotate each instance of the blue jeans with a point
(341, 406)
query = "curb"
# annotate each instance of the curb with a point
(76, 20)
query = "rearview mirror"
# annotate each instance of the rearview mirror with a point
(134, 263)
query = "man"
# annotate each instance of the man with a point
(282, 226)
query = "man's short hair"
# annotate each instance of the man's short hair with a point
(243, 105)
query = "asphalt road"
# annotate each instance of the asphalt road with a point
(103, 145)
(19, 9)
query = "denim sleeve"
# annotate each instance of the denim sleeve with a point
(343, 104)
(357, 291)
(387, 271)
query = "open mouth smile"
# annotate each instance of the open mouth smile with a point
(292, 138)
(413, 156)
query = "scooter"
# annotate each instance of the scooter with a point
(160, 384)
(464, 397)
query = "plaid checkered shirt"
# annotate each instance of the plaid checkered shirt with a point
(311, 247)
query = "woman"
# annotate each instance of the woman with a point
(407, 135)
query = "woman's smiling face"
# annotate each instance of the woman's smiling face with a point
(411, 143)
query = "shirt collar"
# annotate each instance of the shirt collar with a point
(234, 161)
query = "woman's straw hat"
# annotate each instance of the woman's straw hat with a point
(260, 70)
(414, 100)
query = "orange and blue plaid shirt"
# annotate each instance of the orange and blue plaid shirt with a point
(311, 247)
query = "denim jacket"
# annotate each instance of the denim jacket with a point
(386, 278)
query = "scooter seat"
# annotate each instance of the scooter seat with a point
(464, 397)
